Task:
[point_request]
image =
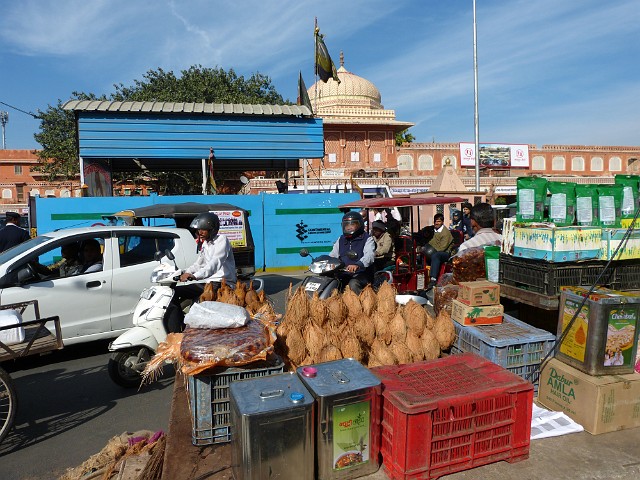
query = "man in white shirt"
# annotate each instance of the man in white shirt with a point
(482, 223)
(215, 263)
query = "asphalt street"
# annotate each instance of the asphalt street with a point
(68, 408)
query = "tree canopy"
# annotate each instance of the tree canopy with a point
(58, 157)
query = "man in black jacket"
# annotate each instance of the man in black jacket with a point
(11, 234)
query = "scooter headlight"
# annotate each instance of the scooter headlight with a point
(319, 266)
(147, 293)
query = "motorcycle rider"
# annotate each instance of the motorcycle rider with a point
(215, 262)
(359, 270)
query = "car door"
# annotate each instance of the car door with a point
(135, 260)
(82, 301)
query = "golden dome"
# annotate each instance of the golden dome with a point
(352, 91)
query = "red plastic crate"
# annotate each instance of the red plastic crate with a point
(452, 414)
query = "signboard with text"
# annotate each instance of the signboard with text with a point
(495, 155)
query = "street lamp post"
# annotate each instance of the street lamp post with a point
(475, 97)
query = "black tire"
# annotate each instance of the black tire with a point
(120, 370)
(8, 404)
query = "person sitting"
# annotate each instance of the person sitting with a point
(482, 223)
(438, 249)
(466, 216)
(215, 263)
(384, 254)
(92, 256)
(359, 269)
(461, 223)
(70, 264)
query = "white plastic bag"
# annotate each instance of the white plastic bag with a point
(12, 335)
(216, 315)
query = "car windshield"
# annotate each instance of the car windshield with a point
(22, 247)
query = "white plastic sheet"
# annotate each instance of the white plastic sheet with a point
(546, 423)
(214, 315)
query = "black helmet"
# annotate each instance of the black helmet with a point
(352, 217)
(456, 213)
(206, 221)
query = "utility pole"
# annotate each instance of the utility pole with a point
(4, 118)
(475, 97)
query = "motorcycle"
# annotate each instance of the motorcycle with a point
(133, 349)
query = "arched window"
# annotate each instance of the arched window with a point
(34, 192)
(538, 163)
(49, 193)
(577, 164)
(597, 164)
(615, 164)
(65, 193)
(425, 162)
(557, 164)
(405, 162)
(7, 193)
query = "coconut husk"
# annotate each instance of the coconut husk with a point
(314, 338)
(352, 302)
(308, 360)
(241, 292)
(387, 299)
(398, 327)
(430, 345)
(383, 330)
(262, 296)
(401, 352)
(297, 310)
(431, 321)
(351, 348)
(415, 345)
(226, 295)
(365, 329)
(208, 295)
(336, 309)
(330, 353)
(251, 297)
(444, 330)
(296, 350)
(318, 310)
(368, 300)
(374, 361)
(415, 316)
(383, 353)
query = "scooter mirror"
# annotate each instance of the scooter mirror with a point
(352, 255)
(304, 252)
(157, 256)
(169, 254)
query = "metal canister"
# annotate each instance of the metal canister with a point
(272, 428)
(348, 418)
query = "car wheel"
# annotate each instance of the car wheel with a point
(8, 404)
(125, 368)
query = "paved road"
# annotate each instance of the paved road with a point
(69, 408)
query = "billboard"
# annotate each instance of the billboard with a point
(495, 155)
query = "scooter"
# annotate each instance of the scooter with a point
(134, 348)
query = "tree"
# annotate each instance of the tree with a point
(58, 157)
(404, 137)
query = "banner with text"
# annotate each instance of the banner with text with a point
(495, 155)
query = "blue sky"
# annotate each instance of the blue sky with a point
(549, 71)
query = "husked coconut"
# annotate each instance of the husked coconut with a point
(398, 327)
(336, 309)
(314, 338)
(415, 345)
(330, 353)
(383, 330)
(383, 353)
(368, 300)
(352, 302)
(295, 345)
(387, 299)
(444, 330)
(208, 295)
(401, 352)
(297, 311)
(318, 310)
(241, 292)
(430, 345)
(415, 316)
(351, 348)
(430, 323)
(365, 329)
(373, 361)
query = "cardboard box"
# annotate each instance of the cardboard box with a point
(481, 292)
(478, 315)
(611, 238)
(557, 244)
(600, 404)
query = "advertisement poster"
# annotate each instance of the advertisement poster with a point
(495, 155)
(232, 226)
(351, 434)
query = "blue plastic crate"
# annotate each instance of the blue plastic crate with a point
(514, 345)
(209, 398)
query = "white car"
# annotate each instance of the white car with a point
(95, 305)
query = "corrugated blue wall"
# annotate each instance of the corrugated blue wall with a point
(118, 135)
(281, 224)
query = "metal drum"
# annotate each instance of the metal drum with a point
(272, 428)
(348, 418)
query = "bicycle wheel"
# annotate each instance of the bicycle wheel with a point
(8, 403)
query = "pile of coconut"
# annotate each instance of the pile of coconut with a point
(370, 327)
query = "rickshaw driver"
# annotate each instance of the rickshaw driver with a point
(359, 269)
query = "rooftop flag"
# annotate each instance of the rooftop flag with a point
(325, 68)
(303, 95)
